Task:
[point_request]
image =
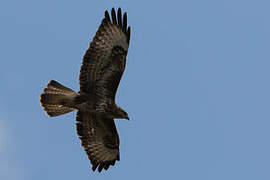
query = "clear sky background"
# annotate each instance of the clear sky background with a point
(196, 87)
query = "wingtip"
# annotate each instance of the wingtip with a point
(112, 162)
(94, 167)
(106, 167)
(100, 167)
(128, 34)
(119, 17)
(113, 14)
(125, 22)
(107, 16)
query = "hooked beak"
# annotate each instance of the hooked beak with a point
(127, 118)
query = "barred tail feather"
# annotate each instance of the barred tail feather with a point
(56, 110)
(57, 99)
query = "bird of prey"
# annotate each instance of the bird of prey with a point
(102, 68)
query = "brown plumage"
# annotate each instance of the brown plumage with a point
(102, 68)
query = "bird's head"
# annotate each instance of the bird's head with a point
(120, 113)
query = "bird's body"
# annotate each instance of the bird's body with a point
(100, 74)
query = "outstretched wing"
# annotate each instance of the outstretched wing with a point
(105, 59)
(99, 138)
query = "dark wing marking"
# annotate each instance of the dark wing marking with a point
(99, 138)
(100, 56)
(119, 16)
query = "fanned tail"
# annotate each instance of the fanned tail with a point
(57, 99)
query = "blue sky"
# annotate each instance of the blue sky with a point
(196, 87)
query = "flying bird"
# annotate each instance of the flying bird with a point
(102, 67)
